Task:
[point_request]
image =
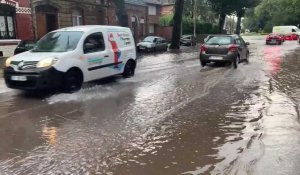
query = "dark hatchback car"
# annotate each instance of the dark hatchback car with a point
(24, 46)
(224, 48)
(188, 40)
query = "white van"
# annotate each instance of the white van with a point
(286, 30)
(68, 57)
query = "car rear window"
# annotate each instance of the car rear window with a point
(219, 40)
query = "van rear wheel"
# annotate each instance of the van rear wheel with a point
(72, 81)
(129, 69)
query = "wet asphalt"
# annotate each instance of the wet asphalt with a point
(173, 117)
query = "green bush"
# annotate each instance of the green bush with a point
(166, 20)
(201, 28)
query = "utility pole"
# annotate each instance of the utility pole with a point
(195, 16)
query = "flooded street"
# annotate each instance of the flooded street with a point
(173, 117)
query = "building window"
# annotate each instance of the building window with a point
(142, 22)
(77, 17)
(151, 10)
(151, 28)
(7, 28)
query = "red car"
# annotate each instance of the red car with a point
(274, 39)
(291, 37)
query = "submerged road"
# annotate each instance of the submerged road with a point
(173, 117)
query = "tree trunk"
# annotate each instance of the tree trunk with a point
(175, 43)
(121, 13)
(238, 25)
(221, 22)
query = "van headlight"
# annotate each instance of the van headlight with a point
(46, 62)
(7, 62)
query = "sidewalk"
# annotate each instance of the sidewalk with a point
(1, 67)
(8, 50)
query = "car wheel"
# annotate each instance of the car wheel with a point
(267, 43)
(129, 69)
(247, 58)
(235, 62)
(203, 63)
(279, 43)
(166, 49)
(72, 81)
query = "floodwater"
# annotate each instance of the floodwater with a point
(173, 117)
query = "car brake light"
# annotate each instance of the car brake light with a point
(233, 48)
(203, 49)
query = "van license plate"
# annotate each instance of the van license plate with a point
(18, 78)
(215, 58)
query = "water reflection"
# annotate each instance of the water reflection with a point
(50, 134)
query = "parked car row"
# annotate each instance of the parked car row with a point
(157, 43)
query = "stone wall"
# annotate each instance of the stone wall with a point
(166, 32)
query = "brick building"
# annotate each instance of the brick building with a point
(137, 17)
(53, 14)
(167, 7)
(15, 19)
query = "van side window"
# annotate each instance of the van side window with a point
(293, 30)
(94, 43)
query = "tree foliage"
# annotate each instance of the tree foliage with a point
(229, 7)
(203, 12)
(121, 12)
(271, 13)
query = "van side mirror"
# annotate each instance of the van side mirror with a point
(247, 43)
(88, 47)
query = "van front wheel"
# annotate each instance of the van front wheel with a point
(129, 69)
(72, 81)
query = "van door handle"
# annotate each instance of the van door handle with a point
(106, 56)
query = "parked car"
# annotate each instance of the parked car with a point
(24, 46)
(66, 58)
(188, 40)
(224, 48)
(274, 39)
(153, 43)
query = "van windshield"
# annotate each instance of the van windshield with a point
(61, 41)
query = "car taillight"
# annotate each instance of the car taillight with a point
(233, 48)
(203, 49)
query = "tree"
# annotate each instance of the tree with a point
(271, 13)
(175, 43)
(121, 12)
(240, 9)
(223, 8)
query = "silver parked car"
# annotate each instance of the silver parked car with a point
(153, 43)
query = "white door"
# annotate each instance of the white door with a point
(97, 55)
